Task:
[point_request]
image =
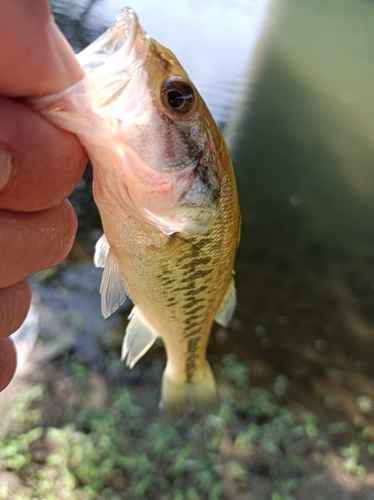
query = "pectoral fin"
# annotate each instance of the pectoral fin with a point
(138, 339)
(101, 251)
(227, 308)
(112, 288)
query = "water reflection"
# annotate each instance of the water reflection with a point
(213, 40)
(304, 161)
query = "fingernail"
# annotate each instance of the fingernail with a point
(5, 167)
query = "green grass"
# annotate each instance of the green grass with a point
(117, 452)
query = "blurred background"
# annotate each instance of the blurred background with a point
(291, 85)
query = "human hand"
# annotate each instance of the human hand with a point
(39, 164)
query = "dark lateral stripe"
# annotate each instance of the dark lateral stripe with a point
(183, 288)
(196, 308)
(202, 261)
(191, 306)
(192, 333)
(192, 317)
(193, 324)
(199, 273)
(193, 263)
(201, 288)
(193, 291)
(193, 345)
(166, 281)
(186, 266)
(192, 321)
(194, 299)
(190, 368)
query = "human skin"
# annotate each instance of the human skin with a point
(39, 164)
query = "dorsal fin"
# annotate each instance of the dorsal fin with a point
(138, 339)
(227, 307)
(112, 288)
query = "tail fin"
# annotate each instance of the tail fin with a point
(180, 396)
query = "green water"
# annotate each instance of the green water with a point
(304, 159)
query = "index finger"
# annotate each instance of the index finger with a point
(46, 162)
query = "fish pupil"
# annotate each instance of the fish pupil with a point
(177, 96)
(176, 99)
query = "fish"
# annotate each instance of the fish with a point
(165, 187)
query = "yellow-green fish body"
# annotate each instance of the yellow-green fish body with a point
(178, 283)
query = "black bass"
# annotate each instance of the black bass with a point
(165, 188)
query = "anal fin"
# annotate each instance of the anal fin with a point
(227, 307)
(112, 288)
(138, 339)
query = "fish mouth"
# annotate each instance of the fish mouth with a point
(112, 59)
(126, 20)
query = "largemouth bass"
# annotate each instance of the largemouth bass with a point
(165, 189)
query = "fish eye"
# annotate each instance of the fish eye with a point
(177, 96)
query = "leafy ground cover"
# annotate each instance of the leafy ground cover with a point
(85, 435)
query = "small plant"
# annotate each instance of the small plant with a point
(338, 427)
(280, 387)
(277, 496)
(310, 425)
(350, 459)
(236, 371)
(118, 451)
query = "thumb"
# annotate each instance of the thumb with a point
(35, 58)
